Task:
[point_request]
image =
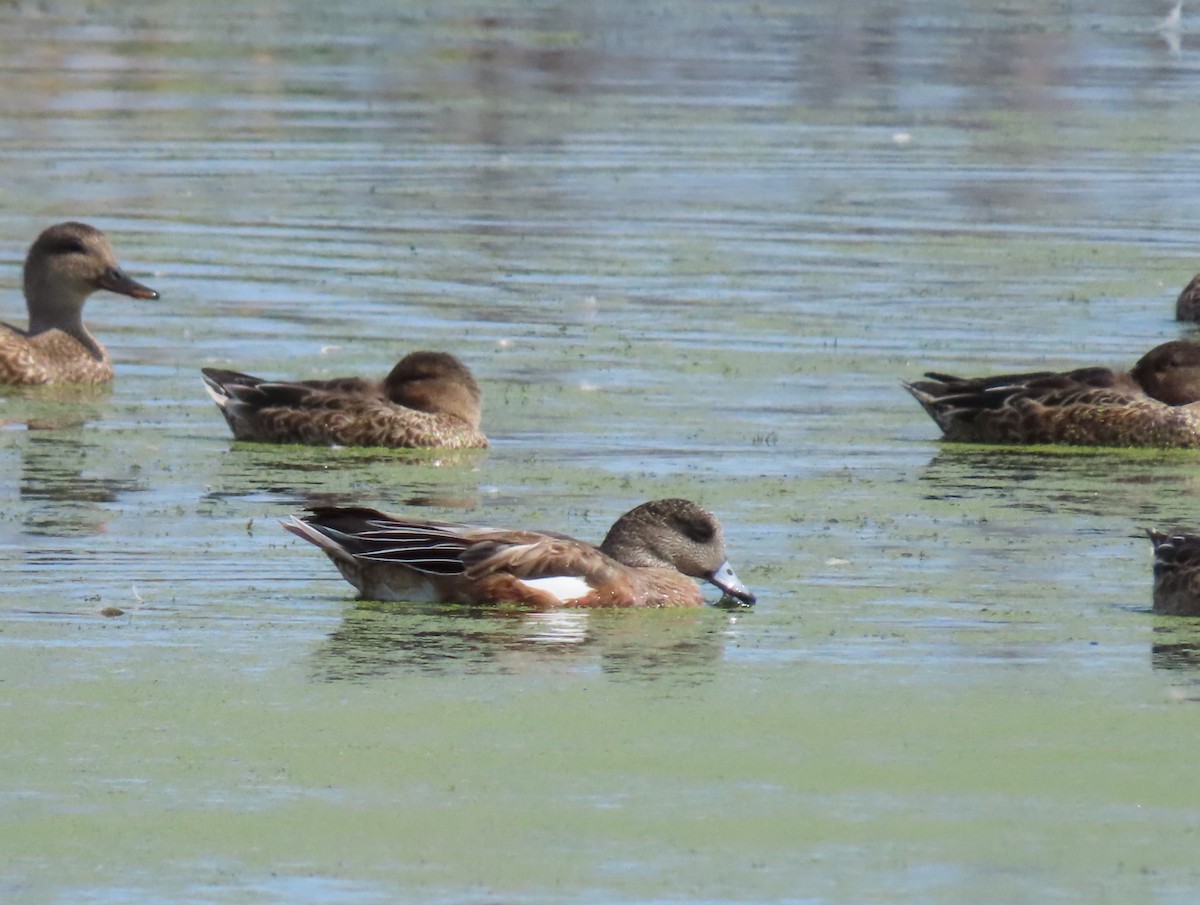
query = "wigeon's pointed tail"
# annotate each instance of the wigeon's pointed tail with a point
(306, 531)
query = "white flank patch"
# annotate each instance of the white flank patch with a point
(564, 587)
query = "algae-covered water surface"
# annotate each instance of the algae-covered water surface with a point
(688, 249)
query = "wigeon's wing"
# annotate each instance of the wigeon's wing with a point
(531, 555)
(434, 548)
(450, 549)
(446, 548)
(422, 548)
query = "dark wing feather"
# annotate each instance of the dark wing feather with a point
(435, 548)
(1050, 388)
(261, 393)
(531, 555)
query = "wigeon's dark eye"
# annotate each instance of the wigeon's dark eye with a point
(701, 531)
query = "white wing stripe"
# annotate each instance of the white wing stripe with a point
(565, 587)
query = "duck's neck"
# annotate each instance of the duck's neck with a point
(42, 319)
(52, 300)
(68, 319)
(89, 342)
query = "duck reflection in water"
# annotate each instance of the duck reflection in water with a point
(67, 474)
(376, 641)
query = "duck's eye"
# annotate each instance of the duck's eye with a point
(68, 247)
(699, 531)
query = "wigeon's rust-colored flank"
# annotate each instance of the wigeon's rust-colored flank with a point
(1176, 573)
(648, 559)
(65, 265)
(1187, 306)
(1157, 404)
(429, 400)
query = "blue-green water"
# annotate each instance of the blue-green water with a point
(688, 250)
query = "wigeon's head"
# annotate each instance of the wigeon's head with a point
(676, 534)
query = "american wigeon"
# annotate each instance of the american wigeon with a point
(428, 400)
(65, 265)
(645, 559)
(1187, 306)
(1176, 573)
(1152, 405)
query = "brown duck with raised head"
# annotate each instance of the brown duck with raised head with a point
(65, 265)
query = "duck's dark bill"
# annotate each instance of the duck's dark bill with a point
(116, 281)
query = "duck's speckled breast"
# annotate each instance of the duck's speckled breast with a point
(50, 357)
